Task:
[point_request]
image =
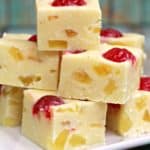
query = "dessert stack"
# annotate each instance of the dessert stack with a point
(73, 79)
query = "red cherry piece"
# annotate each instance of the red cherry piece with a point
(145, 84)
(68, 3)
(109, 32)
(33, 38)
(119, 55)
(115, 106)
(75, 52)
(44, 103)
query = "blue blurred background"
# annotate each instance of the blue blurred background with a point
(127, 15)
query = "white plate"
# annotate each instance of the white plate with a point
(11, 139)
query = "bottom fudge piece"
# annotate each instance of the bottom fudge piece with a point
(132, 118)
(10, 105)
(60, 124)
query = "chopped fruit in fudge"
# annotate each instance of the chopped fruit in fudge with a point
(43, 105)
(69, 128)
(84, 74)
(33, 38)
(109, 32)
(15, 36)
(119, 55)
(115, 37)
(79, 32)
(32, 68)
(68, 2)
(132, 118)
(145, 84)
(11, 99)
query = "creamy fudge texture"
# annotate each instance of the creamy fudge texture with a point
(11, 99)
(64, 124)
(88, 75)
(22, 36)
(127, 39)
(68, 27)
(22, 65)
(132, 118)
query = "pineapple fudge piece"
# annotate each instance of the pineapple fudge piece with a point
(61, 124)
(132, 118)
(11, 99)
(68, 24)
(109, 75)
(22, 36)
(22, 65)
(115, 37)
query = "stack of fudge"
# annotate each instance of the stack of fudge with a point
(71, 81)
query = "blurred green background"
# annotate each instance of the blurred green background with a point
(127, 15)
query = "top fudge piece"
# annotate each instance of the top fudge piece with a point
(108, 75)
(68, 27)
(22, 65)
(115, 37)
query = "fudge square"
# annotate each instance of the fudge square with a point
(68, 25)
(61, 124)
(132, 118)
(115, 37)
(11, 99)
(22, 65)
(109, 75)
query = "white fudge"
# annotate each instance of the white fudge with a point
(133, 118)
(88, 75)
(22, 65)
(67, 125)
(69, 27)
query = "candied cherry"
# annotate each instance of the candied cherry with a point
(75, 52)
(44, 104)
(115, 106)
(33, 38)
(110, 32)
(119, 55)
(145, 84)
(68, 3)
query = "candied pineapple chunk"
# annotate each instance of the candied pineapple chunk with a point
(125, 123)
(102, 69)
(77, 140)
(16, 54)
(82, 76)
(70, 33)
(50, 18)
(61, 125)
(140, 103)
(57, 44)
(60, 141)
(146, 116)
(29, 79)
(110, 87)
